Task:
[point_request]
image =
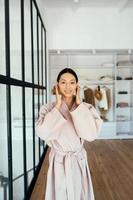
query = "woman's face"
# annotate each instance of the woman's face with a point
(67, 85)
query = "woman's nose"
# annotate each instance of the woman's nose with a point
(67, 85)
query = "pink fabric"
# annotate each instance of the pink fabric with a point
(64, 131)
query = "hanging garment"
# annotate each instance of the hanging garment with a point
(89, 96)
(64, 131)
(98, 93)
(108, 94)
(103, 95)
(103, 103)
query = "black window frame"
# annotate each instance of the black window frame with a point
(10, 81)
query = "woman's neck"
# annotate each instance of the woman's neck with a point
(69, 101)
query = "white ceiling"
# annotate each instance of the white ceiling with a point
(88, 3)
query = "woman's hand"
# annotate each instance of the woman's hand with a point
(58, 97)
(78, 100)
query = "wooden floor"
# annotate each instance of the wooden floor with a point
(111, 166)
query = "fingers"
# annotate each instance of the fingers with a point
(56, 89)
(78, 88)
(78, 100)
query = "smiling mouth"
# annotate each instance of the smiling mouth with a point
(67, 92)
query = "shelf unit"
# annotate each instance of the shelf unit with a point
(124, 102)
(90, 65)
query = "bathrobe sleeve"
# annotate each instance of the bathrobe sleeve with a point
(86, 121)
(49, 123)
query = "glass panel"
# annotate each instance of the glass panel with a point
(36, 138)
(17, 130)
(4, 191)
(40, 53)
(27, 29)
(2, 38)
(3, 144)
(43, 96)
(30, 176)
(41, 102)
(18, 189)
(44, 58)
(35, 43)
(41, 147)
(15, 39)
(29, 129)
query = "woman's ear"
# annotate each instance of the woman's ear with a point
(75, 91)
(53, 90)
(77, 86)
(58, 88)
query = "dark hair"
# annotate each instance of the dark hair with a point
(67, 70)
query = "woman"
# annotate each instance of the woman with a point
(64, 125)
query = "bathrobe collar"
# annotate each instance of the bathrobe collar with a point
(66, 107)
(65, 110)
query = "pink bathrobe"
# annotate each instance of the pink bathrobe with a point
(64, 131)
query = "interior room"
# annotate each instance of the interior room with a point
(39, 38)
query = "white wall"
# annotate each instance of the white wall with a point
(88, 28)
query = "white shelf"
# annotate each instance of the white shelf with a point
(128, 107)
(98, 82)
(124, 121)
(91, 67)
(125, 67)
(124, 133)
(86, 67)
(125, 94)
(124, 127)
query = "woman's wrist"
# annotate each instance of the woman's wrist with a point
(78, 103)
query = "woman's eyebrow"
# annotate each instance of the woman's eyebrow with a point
(66, 80)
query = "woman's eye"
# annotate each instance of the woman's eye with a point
(62, 82)
(72, 82)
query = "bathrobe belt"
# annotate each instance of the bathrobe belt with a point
(68, 158)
